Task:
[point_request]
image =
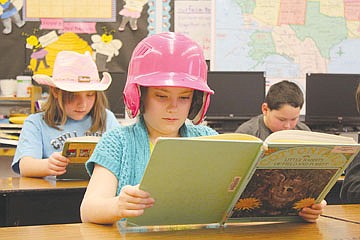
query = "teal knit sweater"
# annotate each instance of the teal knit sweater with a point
(125, 150)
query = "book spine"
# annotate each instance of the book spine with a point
(247, 177)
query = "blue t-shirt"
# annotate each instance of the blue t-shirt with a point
(38, 140)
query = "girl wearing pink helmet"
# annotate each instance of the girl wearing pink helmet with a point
(166, 84)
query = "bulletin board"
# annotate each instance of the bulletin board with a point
(193, 18)
(84, 10)
(77, 33)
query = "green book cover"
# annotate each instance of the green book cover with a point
(194, 180)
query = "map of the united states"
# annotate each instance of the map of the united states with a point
(287, 38)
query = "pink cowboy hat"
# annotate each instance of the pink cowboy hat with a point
(75, 72)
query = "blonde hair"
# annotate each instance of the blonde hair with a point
(55, 115)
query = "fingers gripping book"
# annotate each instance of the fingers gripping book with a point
(237, 177)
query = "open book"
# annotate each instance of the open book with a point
(237, 177)
(78, 150)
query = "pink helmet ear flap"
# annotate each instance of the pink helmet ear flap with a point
(201, 114)
(132, 100)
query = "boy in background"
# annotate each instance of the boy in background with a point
(350, 191)
(280, 111)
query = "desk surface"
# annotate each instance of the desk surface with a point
(325, 228)
(344, 212)
(24, 183)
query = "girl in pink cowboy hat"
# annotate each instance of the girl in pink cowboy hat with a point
(166, 84)
(76, 106)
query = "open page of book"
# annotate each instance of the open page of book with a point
(299, 136)
(194, 180)
(231, 136)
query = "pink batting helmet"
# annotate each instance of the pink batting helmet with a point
(167, 60)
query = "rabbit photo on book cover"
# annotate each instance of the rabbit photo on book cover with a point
(275, 192)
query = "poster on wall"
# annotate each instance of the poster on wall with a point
(193, 18)
(79, 10)
(108, 29)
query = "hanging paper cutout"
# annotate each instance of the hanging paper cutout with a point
(9, 14)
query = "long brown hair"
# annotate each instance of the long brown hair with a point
(55, 115)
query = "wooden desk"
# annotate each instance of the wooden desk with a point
(349, 212)
(325, 228)
(33, 201)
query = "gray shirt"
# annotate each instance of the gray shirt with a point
(350, 190)
(256, 127)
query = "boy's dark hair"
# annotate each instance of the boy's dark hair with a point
(284, 92)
